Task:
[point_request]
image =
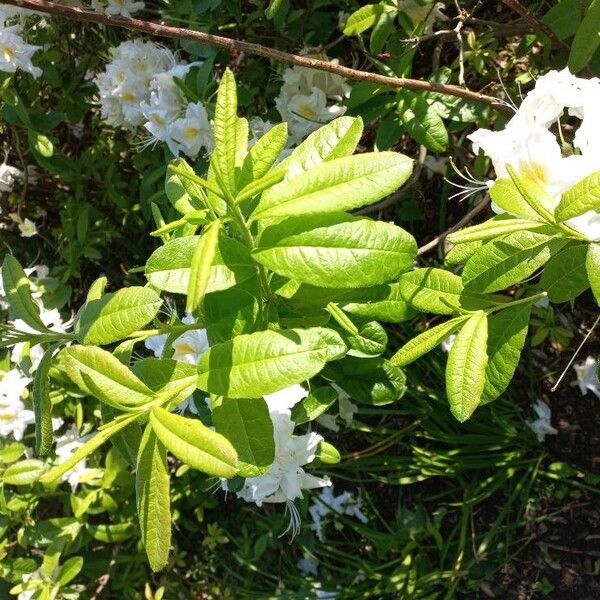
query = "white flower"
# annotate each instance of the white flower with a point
(123, 8)
(8, 12)
(66, 446)
(308, 565)
(435, 165)
(327, 502)
(542, 425)
(14, 417)
(188, 347)
(346, 410)
(32, 579)
(528, 145)
(342, 19)
(447, 344)
(27, 228)
(587, 376)
(420, 12)
(193, 131)
(15, 53)
(285, 478)
(258, 128)
(8, 175)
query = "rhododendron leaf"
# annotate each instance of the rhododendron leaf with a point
(18, 294)
(96, 289)
(581, 198)
(494, 227)
(193, 443)
(42, 405)
(173, 379)
(246, 423)
(362, 19)
(258, 186)
(24, 472)
(315, 404)
(113, 381)
(126, 441)
(459, 254)
(153, 499)
(262, 156)
(168, 268)
(230, 313)
(185, 194)
(224, 155)
(592, 267)
(438, 291)
(370, 340)
(341, 184)
(114, 316)
(200, 268)
(509, 260)
(565, 276)
(264, 362)
(381, 303)
(422, 122)
(586, 39)
(466, 368)
(507, 331)
(336, 250)
(505, 194)
(327, 453)
(533, 193)
(426, 341)
(336, 139)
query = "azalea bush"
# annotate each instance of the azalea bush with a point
(244, 307)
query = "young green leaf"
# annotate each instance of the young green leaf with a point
(581, 198)
(126, 441)
(257, 187)
(362, 19)
(534, 194)
(336, 250)
(509, 260)
(336, 185)
(505, 194)
(96, 289)
(422, 122)
(115, 316)
(507, 331)
(586, 39)
(114, 383)
(592, 267)
(195, 444)
(315, 404)
(24, 472)
(153, 499)
(18, 294)
(225, 126)
(380, 303)
(370, 340)
(492, 228)
(466, 368)
(565, 276)
(42, 405)
(246, 423)
(168, 268)
(185, 193)
(426, 341)
(264, 362)
(202, 261)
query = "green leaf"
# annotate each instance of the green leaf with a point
(370, 340)
(369, 380)
(459, 254)
(505, 194)
(153, 499)
(255, 188)
(18, 294)
(338, 138)
(534, 194)
(422, 122)
(586, 39)
(362, 19)
(262, 156)
(382, 30)
(275, 6)
(184, 194)
(173, 379)
(96, 289)
(25, 472)
(314, 405)
(426, 341)
(200, 269)
(581, 198)
(246, 423)
(115, 316)
(438, 291)
(225, 127)
(126, 441)
(168, 268)
(592, 267)
(230, 313)
(466, 368)
(336, 250)
(112, 533)
(380, 303)
(507, 331)
(341, 184)
(114, 383)
(90, 446)
(195, 444)
(40, 143)
(327, 453)
(565, 276)
(69, 570)
(509, 260)
(42, 405)
(264, 362)
(492, 228)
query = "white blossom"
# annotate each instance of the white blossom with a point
(529, 147)
(8, 176)
(587, 376)
(27, 228)
(308, 565)
(123, 8)
(15, 53)
(14, 417)
(193, 131)
(542, 425)
(66, 446)
(188, 347)
(447, 344)
(426, 12)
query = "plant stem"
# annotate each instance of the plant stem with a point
(528, 300)
(157, 29)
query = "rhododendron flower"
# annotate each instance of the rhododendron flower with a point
(8, 176)
(587, 376)
(27, 228)
(123, 8)
(542, 425)
(193, 131)
(14, 417)
(327, 502)
(528, 146)
(66, 446)
(15, 53)
(426, 12)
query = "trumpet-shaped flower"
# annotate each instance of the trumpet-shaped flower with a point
(193, 131)
(188, 347)
(122, 8)
(542, 425)
(66, 446)
(529, 147)
(427, 12)
(327, 502)
(14, 417)
(8, 176)
(587, 376)
(15, 53)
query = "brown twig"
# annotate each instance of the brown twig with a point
(466, 219)
(536, 23)
(158, 29)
